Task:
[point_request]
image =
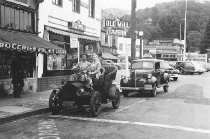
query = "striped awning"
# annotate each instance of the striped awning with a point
(72, 33)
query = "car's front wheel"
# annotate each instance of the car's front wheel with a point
(54, 103)
(153, 92)
(95, 103)
(116, 101)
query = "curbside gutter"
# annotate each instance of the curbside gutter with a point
(14, 117)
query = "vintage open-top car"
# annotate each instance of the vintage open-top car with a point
(77, 93)
(145, 75)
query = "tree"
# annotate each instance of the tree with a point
(194, 39)
(205, 44)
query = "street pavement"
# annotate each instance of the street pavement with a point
(182, 113)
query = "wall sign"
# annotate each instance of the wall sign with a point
(77, 25)
(116, 32)
(117, 23)
(116, 27)
(25, 48)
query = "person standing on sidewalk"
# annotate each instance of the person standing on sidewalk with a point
(18, 76)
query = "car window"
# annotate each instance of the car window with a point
(142, 65)
(164, 65)
(189, 64)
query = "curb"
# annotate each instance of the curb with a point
(23, 115)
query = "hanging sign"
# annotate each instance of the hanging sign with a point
(26, 48)
(74, 42)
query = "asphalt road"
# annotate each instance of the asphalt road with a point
(182, 113)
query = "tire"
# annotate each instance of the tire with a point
(165, 88)
(182, 72)
(125, 93)
(153, 92)
(95, 103)
(116, 101)
(175, 78)
(54, 103)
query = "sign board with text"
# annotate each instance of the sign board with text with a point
(116, 27)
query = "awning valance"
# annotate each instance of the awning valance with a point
(109, 56)
(71, 33)
(27, 42)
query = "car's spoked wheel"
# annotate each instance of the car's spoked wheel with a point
(153, 92)
(95, 103)
(54, 103)
(116, 101)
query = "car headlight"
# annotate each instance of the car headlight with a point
(149, 76)
(80, 91)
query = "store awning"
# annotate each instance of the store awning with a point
(27, 42)
(109, 56)
(71, 33)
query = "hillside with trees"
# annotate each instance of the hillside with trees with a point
(164, 21)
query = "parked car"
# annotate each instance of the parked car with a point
(173, 72)
(207, 65)
(198, 67)
(145, 75)
(204, 65)
(185, 67)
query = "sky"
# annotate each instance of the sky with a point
(126, 4)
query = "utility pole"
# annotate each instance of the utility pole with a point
(185, 31)
(133, 29)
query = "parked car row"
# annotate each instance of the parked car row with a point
(191, 67)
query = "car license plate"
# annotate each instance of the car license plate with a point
(147, 86)
(68, 103)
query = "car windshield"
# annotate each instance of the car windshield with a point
(165, 65)
(142, 65)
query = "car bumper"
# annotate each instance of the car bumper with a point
(146, 88)
(174, 75)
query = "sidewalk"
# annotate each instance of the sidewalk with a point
(30, 104)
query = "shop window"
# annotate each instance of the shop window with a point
(56, 62)
(58, 2)
(92, 8)
(13, 18)
(27, 63)
(76, 5)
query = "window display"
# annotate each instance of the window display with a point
(56, 62)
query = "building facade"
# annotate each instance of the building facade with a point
(74, 25)
(19, 38)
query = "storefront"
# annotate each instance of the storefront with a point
(27, 46)
(58, 67)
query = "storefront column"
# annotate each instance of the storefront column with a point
(40, 65)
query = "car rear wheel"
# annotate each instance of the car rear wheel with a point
(125, 93)
(165, 88)
(95, 103)
(153, 92)
(175, 78)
